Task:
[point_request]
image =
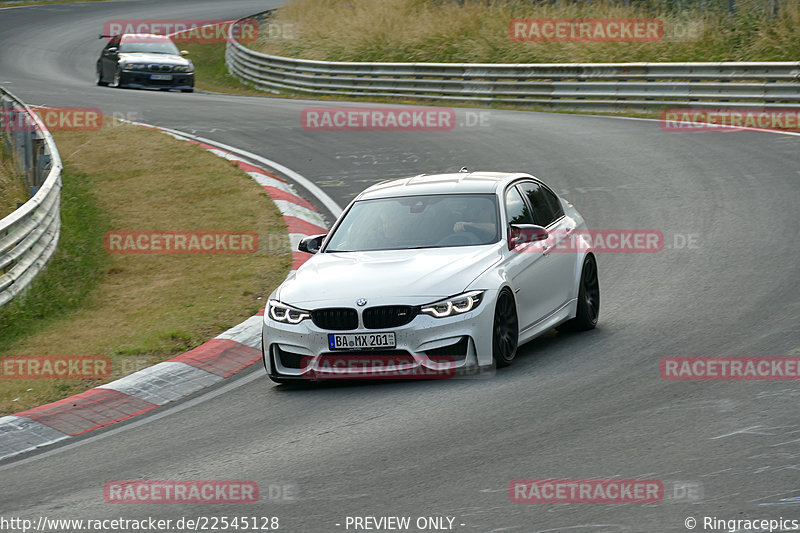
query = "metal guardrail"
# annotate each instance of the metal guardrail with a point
(585, 86)
(29, 235)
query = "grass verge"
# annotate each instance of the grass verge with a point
(12, 187)
(211, 73)
(140, 309)
(472, 32)
(412, 30)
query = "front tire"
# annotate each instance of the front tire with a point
(99, 77)
(505, 331)
(117, 76)
(588, 299)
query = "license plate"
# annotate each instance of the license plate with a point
(360, 341)
(162, 77)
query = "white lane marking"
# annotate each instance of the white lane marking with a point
(752, 430)
(224, 154)
(22, 434)
(736, 128)
(289, 209)
(145, 419)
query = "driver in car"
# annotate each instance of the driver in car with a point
(481, 221)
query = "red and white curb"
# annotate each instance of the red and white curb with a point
(206, 365)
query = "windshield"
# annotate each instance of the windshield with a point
(149, 46)
(408, 222)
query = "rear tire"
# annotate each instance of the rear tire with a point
(505, 330)
(588, 299)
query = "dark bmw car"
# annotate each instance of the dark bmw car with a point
(145, 61)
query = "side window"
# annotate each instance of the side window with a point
(555, 203)
(516, 209)
(114, 42)
(542, 213)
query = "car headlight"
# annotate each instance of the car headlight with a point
(134, 66)
(455, 305)
(280, 312)
(182, 68)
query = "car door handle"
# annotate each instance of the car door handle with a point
(568, 230)
(546, 249)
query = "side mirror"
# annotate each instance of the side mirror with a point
(311, 244)
(184, 52)
(519, 234)
(113, 50)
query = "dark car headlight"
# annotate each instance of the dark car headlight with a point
(280, 312)
(134, 66)
(455, 305)
(183, 68)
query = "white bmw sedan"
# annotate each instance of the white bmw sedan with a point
(431, 275)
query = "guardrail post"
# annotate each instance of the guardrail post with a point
(29, 235)
(42, 168)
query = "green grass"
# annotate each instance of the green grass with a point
(72, 272)
(211, 73)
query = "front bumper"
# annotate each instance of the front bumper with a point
(144, 80)
(426, 348)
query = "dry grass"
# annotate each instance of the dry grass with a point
(148, 308)
(12, 186)
(446, 31)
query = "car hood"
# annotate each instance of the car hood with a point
(400, 275)
(162, 59)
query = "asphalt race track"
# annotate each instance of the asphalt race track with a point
(573, 406)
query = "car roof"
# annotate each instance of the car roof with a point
(453, 183)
